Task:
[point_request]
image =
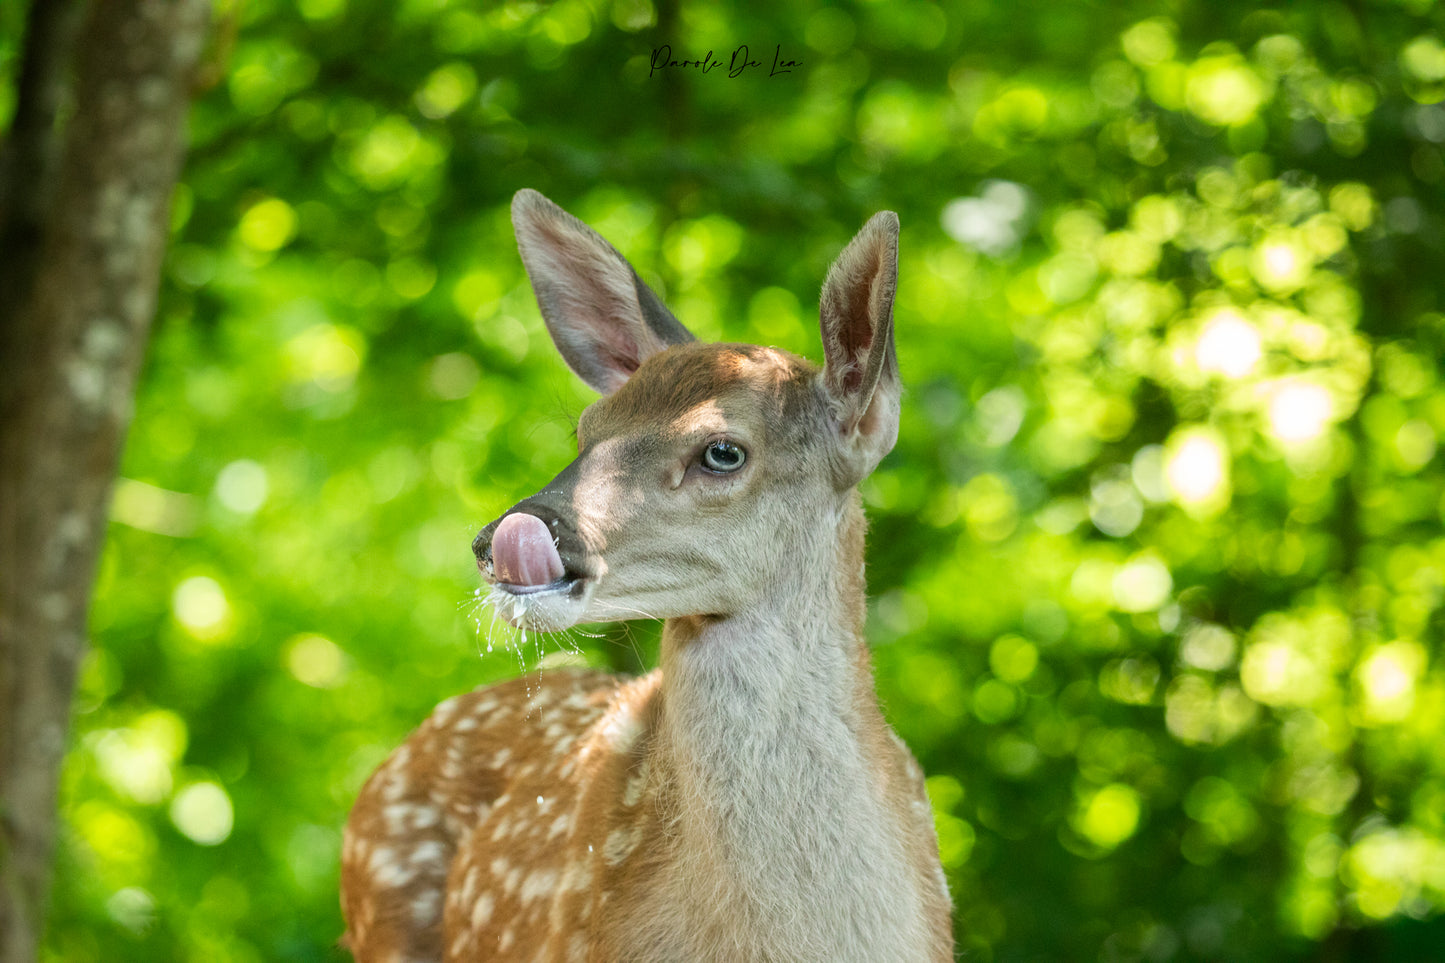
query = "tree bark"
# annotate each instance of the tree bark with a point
(86, 211)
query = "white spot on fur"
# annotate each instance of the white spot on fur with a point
(540, 882)
(429, 852)
(620, 844)
(482, 910)
(622, 730)
(425, 906)
(632, 792)
(388, 871)
(577, 877)
(469, 885)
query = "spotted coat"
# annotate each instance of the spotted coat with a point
(480, 838)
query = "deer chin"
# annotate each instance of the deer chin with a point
(552, 607)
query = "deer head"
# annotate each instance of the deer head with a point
(704, 470)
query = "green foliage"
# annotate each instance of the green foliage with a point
(1157, 563)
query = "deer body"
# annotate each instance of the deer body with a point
(746, 802)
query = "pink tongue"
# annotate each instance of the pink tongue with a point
(523, 553)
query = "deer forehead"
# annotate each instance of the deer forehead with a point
(693, 390)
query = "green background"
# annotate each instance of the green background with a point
(1156, 566)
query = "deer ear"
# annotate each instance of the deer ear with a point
(860, 374)
(603, 319)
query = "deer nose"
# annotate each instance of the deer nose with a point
(523, 552)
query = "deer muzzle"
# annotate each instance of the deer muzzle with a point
(535, 546)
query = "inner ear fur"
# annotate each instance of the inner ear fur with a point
(604, 320)
(860, 374)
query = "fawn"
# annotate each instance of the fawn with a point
(745, 802)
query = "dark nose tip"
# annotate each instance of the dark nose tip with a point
(482, 547)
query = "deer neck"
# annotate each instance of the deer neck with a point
(772, 738)
(793, 659)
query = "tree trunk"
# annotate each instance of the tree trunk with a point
(84, 216)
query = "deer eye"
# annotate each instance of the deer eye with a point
(723, 457)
